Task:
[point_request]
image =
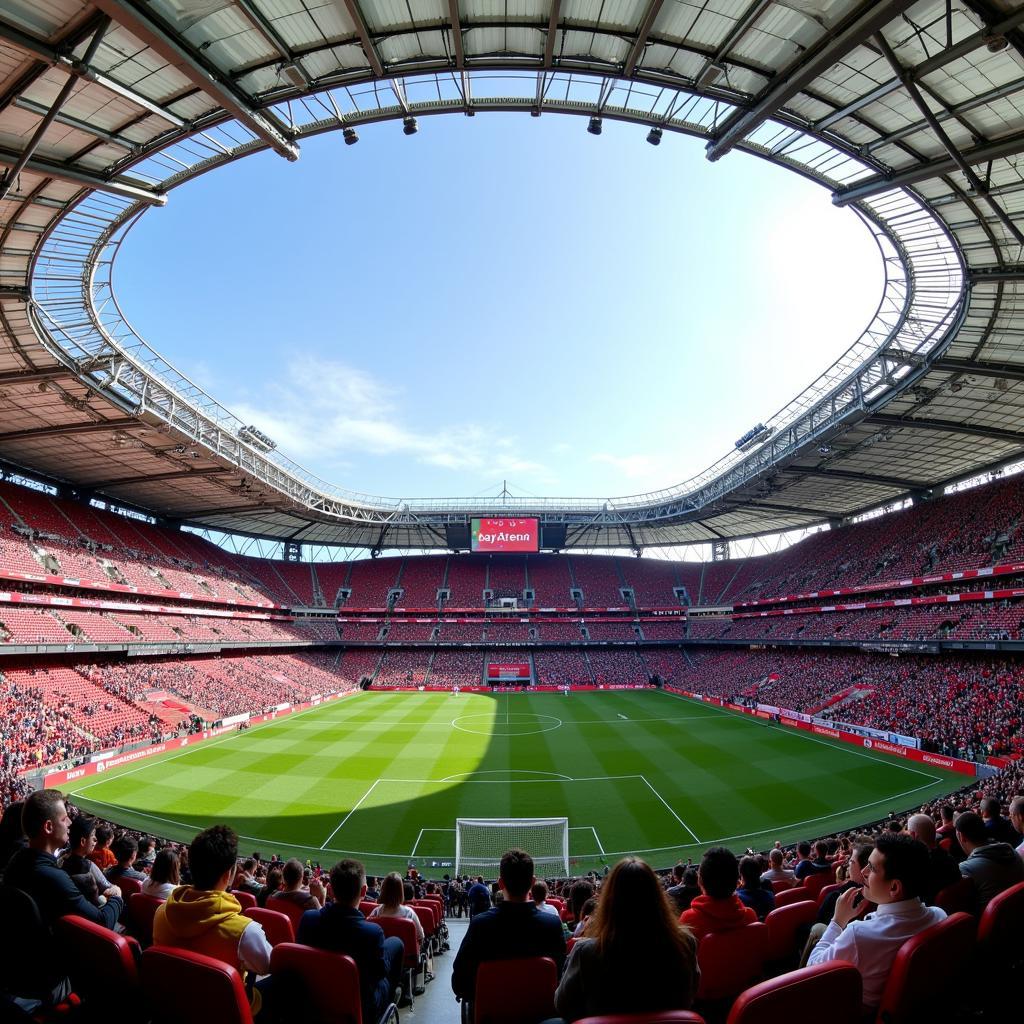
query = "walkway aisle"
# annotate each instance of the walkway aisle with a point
(437, 1005)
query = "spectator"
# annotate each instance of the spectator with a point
(804, 866)
(205, 918)
(860, 852)
(896, 871)
(125, 849)
(539, 895)
(947, 829)
(245, 879)
(81, 842)
(587, 913)
(580, 892)
(998, 827)
(292, 890)
(34, 868)
(718, 908)
(102, 854)
(776, 872)
(683, 893)
(638, 958)
(754, 893)
(146, 855)
(515, 928)
(12, 835)
(1017, 818)
(392, 903)
(942, 869)
(991, 865)
(341, 928)
(165, 875)
(272, 885)
(478, 897)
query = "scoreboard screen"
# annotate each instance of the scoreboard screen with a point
(505, 535)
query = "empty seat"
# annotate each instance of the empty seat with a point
(797, 895)
(730, 961)
(515, 991)
(276, 926)
(103, 969)
(830, 991)
(787, 931)
(185, 986)
(142, 909)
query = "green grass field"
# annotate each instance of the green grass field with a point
(383, 776)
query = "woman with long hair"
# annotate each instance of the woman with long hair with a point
(636, 957)
(164, 876)
(392, 903)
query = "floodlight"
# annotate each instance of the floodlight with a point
(709, 75)
(294, 74)
(595, 126)
(654, 136)
(409, 126)
(350, 136)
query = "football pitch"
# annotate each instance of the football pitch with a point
(382, 776)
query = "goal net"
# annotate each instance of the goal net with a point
(480, 843)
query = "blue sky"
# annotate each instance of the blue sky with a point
(501, 298)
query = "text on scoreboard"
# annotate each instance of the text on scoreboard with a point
(505, 535)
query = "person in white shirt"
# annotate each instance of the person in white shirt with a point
(1017, 818)
(539, 895)
(392, 903)
(165, 875)
(895, 874)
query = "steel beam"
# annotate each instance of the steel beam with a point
(78, 124)
(453, 14)
(970, 368)
(200, 73)
(89, 427)
(372, 57)
(879, 183)
(646, 24)
(832, 47)
(549, 42)
(265, 27)
(62, 172)
(1014, 272)
(948, 427)
(786, 509)
(33, 376)
(848, 474)
(159, 477)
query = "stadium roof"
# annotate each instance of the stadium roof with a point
(910, 113)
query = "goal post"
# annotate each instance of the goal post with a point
(480, 843)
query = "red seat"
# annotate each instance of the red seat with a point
(515, 991)
(816, 882)
(404, 929)
(245, 899)
(1001, 928)
(957, 898)
(797, 895)
(142, 909)
(925, 971)
(128, 886)
(328, 982)
(730, 961)
(185, 986)
(103, 968)
(782, 885)
(827, 890)
(367, 907)
(655, 1017)
(290, 909)
(830, 991)
(276, 926)
(427, 917)
(784, 924)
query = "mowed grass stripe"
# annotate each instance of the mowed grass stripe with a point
(290, 783)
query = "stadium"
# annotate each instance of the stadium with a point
(816, 639)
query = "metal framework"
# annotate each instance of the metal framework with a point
(911, 113)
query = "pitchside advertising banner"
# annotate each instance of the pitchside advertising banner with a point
(505, 535)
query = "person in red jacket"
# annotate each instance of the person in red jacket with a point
(717, 908)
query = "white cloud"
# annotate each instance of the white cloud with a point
(643, 470)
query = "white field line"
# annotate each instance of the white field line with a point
(504, 771)
(670, 811)
(846, 748)
(414, 845)
(597, 839)
(349, 815)
(623, 717)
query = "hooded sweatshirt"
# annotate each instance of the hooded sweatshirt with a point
(203, 921)
(707, 915)
(993, 868)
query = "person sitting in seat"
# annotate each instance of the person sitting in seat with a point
(392, 903)
(991, 865)
(895, 876)
(753, 893)
(165, 875)
(340, 927)
(293, 891)
(637, 956)
(515, 928)
(539, 895)
(125, 849)
(776, 872)
(718, 908)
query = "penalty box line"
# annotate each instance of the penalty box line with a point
(572, 828)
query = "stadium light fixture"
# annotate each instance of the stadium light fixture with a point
(351, 136)
(409, 126)
(294, 74)
(595, 126)
(654, 136)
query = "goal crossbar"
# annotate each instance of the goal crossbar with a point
(481, 842)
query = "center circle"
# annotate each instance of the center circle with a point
(517, 723)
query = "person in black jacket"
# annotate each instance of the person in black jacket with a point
(514, 928)
(34, 869)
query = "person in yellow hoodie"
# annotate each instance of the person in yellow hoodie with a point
(205, 918)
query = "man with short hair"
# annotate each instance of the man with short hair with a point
(718, 908)
(34, 868)
(341, 928)
(125, 849)
(992, 866)
(896, 870)
(205, 917)
(515, 928)
(942, 869)
(804, 866)
(81, 842)
(1017, 818)
(998, 827)
(478, 896)
(776, 872)
(539, 895)
(292, 877)
(146, 854)
(947, 830)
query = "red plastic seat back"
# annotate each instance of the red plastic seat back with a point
(784, 924)
(367, 907)
(426, 916)
(797, 895)
(1001, 928)
(830, 991)
(142, 909)
(515, 991)
(245, 899)
(656, 1017)
(128, 886)
(957, 898)
(827, 890)
(329, 982)
(782, 885)
(925, 966)
(101, 965)
(730, 961)
(291, 910)
(276, 926)
(816, 882)
(185, 986)
(404, 929)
